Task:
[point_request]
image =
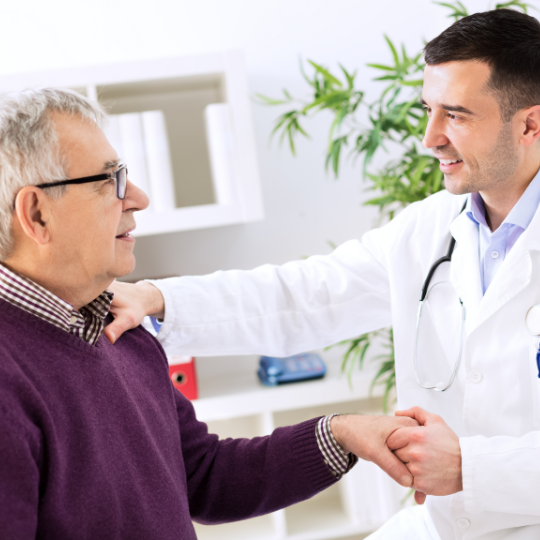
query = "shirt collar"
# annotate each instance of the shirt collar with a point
(476, 210)
(521, 214)
(24, 293)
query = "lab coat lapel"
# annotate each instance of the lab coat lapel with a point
(465, 268)
(515, 272)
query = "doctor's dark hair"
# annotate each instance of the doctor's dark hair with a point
(509, 42)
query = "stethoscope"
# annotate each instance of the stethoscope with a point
(532, 321)
(425, 291)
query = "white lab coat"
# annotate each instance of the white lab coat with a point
(494, 403)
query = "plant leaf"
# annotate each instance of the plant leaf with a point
(265, 100)
(393, 49)
(326, 74)
(515, 3)
(380, 66)
(418, 82)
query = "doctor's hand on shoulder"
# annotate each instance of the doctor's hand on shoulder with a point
(431, 452)
(132, 302)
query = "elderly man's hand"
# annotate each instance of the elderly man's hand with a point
(365, 436)
(431, 452)
(131, 304)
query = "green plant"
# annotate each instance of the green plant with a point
(395, 118)
(357, 349)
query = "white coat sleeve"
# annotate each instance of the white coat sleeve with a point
(501, 474)
(280, 310)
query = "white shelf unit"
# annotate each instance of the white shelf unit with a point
(216, 176)
(235, 404)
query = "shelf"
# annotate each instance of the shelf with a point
(260, 528)
(230, 393)
(243, 427)
(322, 512)
(337, 533)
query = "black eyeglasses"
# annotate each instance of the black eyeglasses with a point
(120, 177)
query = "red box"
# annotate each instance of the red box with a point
(183, 375)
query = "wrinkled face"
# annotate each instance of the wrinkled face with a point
(90, 226)
(477, 151)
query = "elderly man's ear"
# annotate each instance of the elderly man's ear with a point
(32, 215)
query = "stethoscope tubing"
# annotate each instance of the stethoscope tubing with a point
(457, 363)
(425, 290)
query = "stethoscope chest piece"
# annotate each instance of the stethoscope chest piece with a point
(532, 320)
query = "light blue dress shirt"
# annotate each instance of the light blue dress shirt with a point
(494, 246)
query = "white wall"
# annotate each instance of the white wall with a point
(304, 206)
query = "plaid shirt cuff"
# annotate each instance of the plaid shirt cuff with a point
(339, 461)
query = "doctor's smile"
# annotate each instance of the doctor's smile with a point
(449, 165)
(102, 432)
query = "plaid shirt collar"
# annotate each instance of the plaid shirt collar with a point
(87, 323)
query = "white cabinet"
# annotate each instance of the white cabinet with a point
(235, 404)
(206, 104)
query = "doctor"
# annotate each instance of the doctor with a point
(478, 450)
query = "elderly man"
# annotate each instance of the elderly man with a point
(94, 440)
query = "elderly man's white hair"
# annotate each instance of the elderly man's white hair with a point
(29, 153)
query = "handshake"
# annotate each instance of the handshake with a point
(416, 448)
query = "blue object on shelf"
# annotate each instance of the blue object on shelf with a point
(300, 367)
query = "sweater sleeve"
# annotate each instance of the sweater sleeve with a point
(19, 480)
(234, 479)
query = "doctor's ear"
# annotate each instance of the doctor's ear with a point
(32, 214)
(531, 125)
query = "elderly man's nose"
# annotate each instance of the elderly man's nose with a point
(136, 198)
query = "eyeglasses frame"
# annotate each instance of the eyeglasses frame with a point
(88, 179)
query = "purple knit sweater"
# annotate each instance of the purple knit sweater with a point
(95, 443)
